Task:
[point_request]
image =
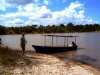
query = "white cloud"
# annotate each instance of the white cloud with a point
(30, 7)
(36, 14)
(75, 5)
(19, 2)
(46, 2)
(15, 21)
(3, 5)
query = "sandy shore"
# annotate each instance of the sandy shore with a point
(41, 64)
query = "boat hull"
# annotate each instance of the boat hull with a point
(50, 49)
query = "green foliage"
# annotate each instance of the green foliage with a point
(70, 27)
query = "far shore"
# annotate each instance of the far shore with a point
(50, 33)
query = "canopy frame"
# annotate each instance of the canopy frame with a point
(64, 36)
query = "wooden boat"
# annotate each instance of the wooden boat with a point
(55, 49)
(50, 49)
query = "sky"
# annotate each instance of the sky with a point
(48, 12)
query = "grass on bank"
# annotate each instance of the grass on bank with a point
(10, 58)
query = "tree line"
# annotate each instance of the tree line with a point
(62, 28)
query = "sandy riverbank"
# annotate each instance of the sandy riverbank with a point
(13, 63)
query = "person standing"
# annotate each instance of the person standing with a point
(0, 41)
(23, 43)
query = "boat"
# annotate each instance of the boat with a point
(55, 49)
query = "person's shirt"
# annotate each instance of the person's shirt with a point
(23, 41)
(0, 41)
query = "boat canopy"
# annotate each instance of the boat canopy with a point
(66, 38)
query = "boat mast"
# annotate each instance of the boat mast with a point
(64, 41)
(44, 36)
(52, 40)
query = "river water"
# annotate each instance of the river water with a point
(89, 44)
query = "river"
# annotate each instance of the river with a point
(89, 44)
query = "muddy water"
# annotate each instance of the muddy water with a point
(89, 44)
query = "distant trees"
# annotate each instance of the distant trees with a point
(2, 30)
(70, 27)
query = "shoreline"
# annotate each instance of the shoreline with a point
(13, 63)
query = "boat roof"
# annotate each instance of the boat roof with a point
(54, 35)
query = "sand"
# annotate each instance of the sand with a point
(13, 63)
(42, 64)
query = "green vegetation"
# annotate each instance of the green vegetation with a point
(50, 29)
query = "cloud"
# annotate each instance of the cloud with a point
(16, 21)
(32, 13)
(4, 5)
(46, 2)
(19, 2)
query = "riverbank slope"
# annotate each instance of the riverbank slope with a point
(13, 63)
